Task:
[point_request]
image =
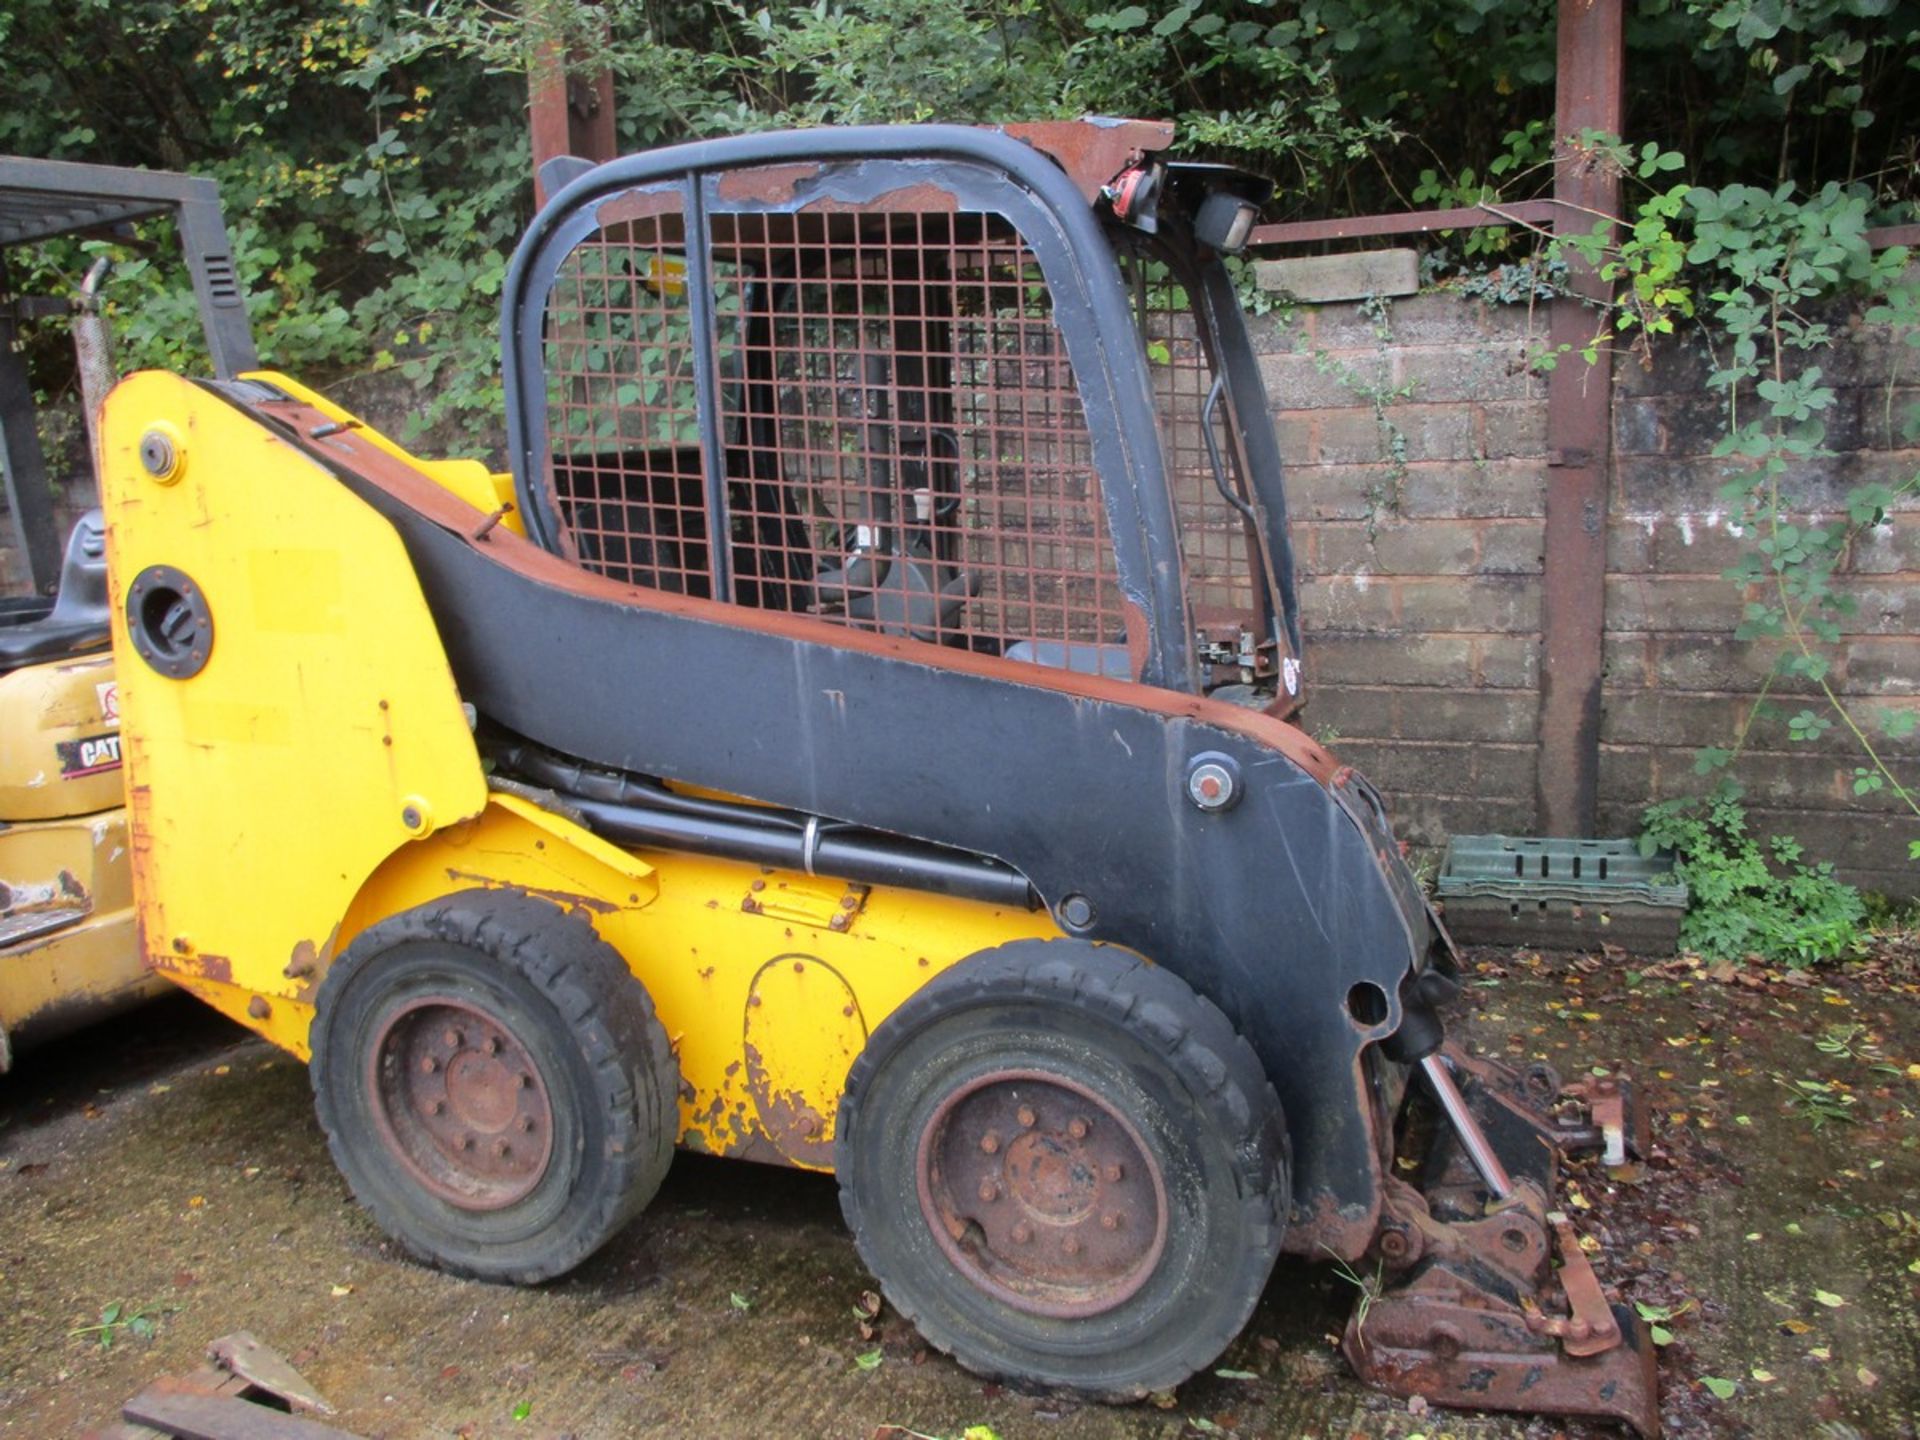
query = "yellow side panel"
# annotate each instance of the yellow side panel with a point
(766, 992)
(58, 979)
(265, 789)
(468, 479)
(42, 707)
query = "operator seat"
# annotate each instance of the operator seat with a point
(76, 623)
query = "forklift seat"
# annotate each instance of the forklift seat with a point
(76, 624)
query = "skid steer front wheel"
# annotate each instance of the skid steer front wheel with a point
(493, 1084)
(1066, 1168)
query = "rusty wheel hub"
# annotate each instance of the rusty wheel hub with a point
(1042, 1194)
(460, 1103)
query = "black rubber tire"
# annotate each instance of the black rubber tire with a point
(563, 993)
(1163, 1057)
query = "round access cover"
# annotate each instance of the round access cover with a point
(168, 618)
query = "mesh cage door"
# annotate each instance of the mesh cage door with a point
(907, 449)
(625, 462)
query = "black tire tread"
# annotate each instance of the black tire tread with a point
(560, 953)
(1183, 1026)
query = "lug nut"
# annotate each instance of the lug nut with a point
(451, 1039)
(1025, 1116)
(428, 1065)
(990, 1142)
(525, 1125)
(1110, 1220)
(1114, 1172)
(501, 1149)
(1077, 1128)
(492, 1047)
(989, 1190)
(465, 1142)
(434, 1107)
(1071, 1245)
(524, 1082)
(1022, 1233)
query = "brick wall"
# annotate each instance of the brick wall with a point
(1416, 446)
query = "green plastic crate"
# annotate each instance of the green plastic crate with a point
(1560, 894)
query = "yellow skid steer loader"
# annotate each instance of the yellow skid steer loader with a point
(857, 735)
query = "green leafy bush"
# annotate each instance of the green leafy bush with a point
(1749, 897)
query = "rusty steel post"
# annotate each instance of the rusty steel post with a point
(1587, 96)
(571, 112)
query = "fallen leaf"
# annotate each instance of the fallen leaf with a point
(1795, 1327)
(1722, 1389)
(871, 1360)
(1821, 1352)
(340, 1292)
(1829, 1299)
(1765, 1377)
(738, 1301)
(223, 1069)
(979, 1432)
(1866, 1377)
(522, 1410)
(194, 1202)
(1236, 1374)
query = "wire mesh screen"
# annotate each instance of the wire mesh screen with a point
(909, 394)
(625, 461)
(1215, 548)
(904, 447)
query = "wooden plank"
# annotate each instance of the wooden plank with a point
(221, 1417)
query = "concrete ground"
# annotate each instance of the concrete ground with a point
(171, 1165)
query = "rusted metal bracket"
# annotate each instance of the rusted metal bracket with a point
(1590, 1328)
(1475, 1315)
(1448, 1338)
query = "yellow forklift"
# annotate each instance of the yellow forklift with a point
(858, 735)
(69, 953)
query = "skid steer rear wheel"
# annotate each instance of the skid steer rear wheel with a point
(1066, 1168)
(493, 1084)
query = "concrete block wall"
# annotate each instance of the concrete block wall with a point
(1415, 442)
(1416, 447)
(1676, 680)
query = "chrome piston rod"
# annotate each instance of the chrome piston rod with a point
(1472, 1138)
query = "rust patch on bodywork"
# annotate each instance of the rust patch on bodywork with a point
(771, 184)
(797, 1130)
(1092, 152)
